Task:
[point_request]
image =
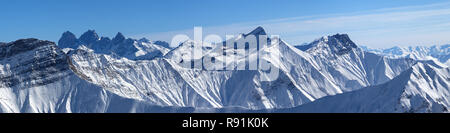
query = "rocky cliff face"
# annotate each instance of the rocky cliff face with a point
(32, 62)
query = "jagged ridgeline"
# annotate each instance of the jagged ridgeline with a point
(98, 74)
(142, 49)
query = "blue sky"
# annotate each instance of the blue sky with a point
(380, 23)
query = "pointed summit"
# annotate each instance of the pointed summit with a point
(68, 40)
(342, 40)
(338, 40)
(118, 38)
(258, 31)
(68, 34)
(339, 44)
(89, 37)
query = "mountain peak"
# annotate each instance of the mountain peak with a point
(89, 36)
(68, 34)
(68, 40)
(118, 38)
(258, 31)
(338, 43)
(341, 40)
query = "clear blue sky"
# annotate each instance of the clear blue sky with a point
(48, 19)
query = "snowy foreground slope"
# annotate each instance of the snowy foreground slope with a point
(93, 76)
(422, 88)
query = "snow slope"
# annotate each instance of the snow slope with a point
(95, 74)
(303, 77)
(422, 88)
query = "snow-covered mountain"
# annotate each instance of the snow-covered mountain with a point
(304, 77)
(142, 49)
(351, 67)
(101, 75)
(422, 88)
(439, 53)
(36, 76)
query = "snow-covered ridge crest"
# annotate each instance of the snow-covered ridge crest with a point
(336, 44)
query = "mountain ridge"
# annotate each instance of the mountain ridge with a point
(332, 66)
(120, 45)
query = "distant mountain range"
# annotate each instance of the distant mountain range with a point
(436, 52)
(133, 49)
(331, 74)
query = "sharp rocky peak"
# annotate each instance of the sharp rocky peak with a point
(339, 40)
(118, 38)
(89, 36)
(338, 43)
(68, 34)
(258, 31)
(68, 40)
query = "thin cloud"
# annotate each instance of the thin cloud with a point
(410, 25)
